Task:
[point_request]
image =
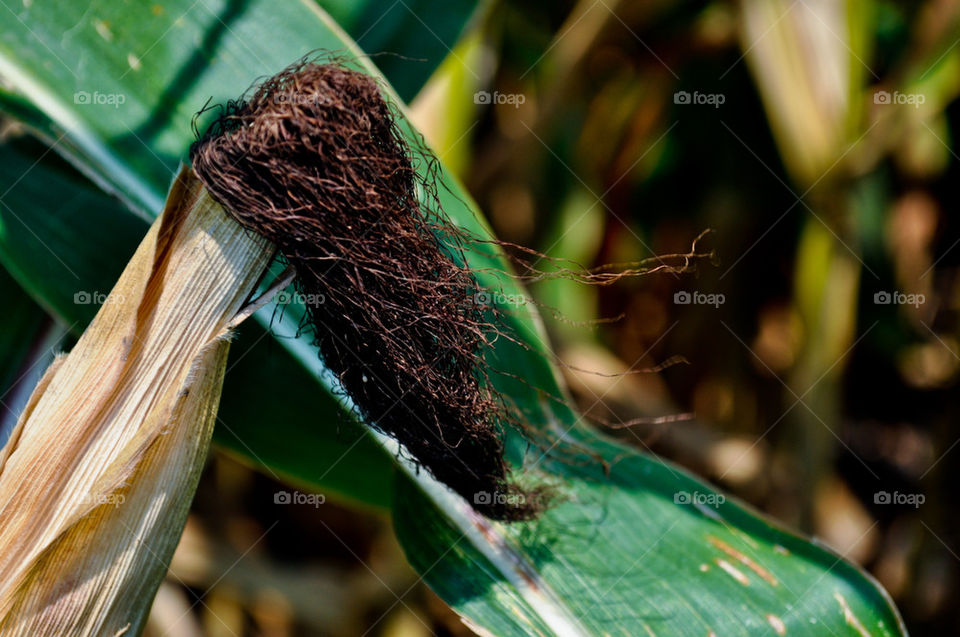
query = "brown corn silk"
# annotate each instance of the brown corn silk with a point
(313, 161)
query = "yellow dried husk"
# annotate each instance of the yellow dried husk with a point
(96, 481)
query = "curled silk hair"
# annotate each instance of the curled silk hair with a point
(314, 161)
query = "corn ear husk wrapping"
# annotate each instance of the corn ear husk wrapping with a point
(96, 481)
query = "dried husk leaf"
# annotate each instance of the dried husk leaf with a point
(97, 479)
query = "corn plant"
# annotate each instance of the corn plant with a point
(632, 544)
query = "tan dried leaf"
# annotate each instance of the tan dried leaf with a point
(97, 478)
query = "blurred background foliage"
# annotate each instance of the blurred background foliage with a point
(809, 399)
(827, 174)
